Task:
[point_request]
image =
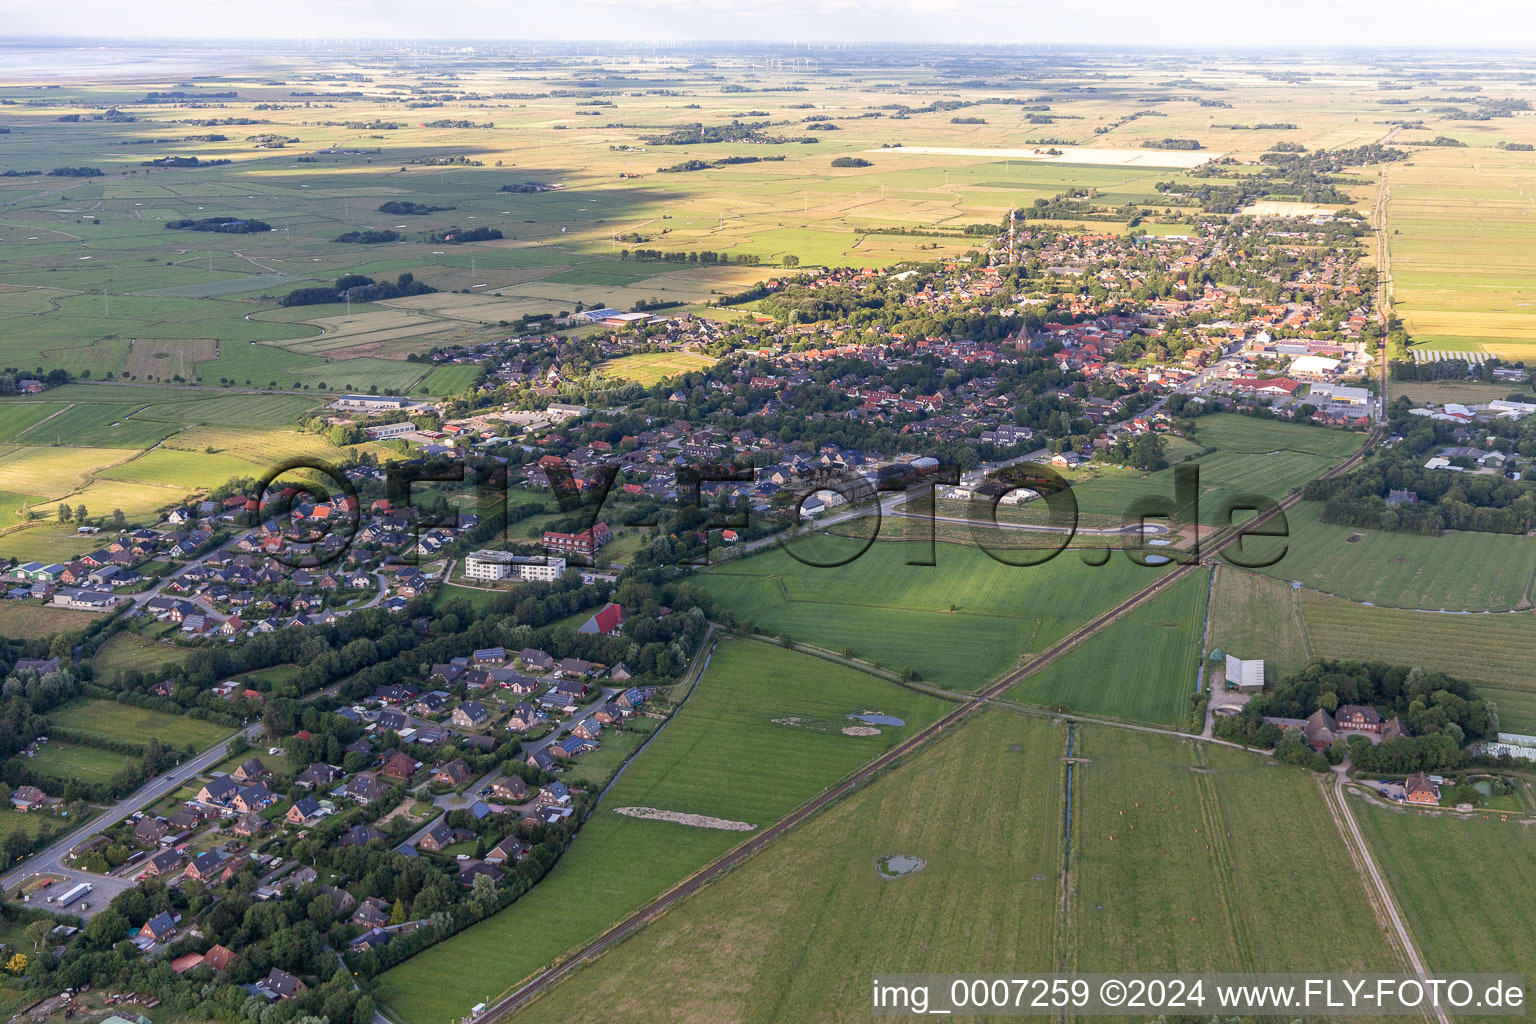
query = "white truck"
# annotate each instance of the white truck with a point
(78, 891)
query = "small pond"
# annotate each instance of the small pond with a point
(869, 718)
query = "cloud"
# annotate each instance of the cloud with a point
(1193, 23)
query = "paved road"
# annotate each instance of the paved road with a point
(51, 860)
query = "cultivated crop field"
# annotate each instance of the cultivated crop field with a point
(960, 622)
(111, 720)
(761, 735)
(1142, 667)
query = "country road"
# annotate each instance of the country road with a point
(1337, 798)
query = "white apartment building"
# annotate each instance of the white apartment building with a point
(501, 565)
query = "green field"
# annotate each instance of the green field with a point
(1456, 571)
(111, 720)
(27, 620)
(129, 650)
(1214, 856)
(961, 622)
(650, 368)
(754, 948)
(1493, 650)
(1470, 911)
(1142, 667)
(64, 761)
(1252, 457)
(1258, 617)
(990, 896)
(724, 756)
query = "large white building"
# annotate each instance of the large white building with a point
(501, 565)
(390, 430)
(1340, 393)
(1244, 675)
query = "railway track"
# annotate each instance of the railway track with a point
(530, 989)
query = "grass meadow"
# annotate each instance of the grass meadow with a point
(1466, 911)
(751, 948)
(64, 761)
(1455, 571)
(129, 650)
(960, 622)
(1215, 875)
(1195, 857)
(111, 720)
(651, 368)
(1142, 667)
(723, 755)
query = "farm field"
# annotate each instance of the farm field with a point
(1142, 667)
(1213, 854)
(1495, 649)
(1460, 249)
(1448, 910)
(723, 755)
(64, 761)
(750, 948)
(1255, 616)
(111, 720)
(959, 623)
(989, 894)
(1456, 571)
(650, 368)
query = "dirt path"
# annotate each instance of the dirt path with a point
(1379, 892)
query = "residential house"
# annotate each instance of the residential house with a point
(471, 714)
(1418, 789)
(305, 811)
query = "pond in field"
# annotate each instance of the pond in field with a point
(869, 718)
(1157, 559)
(900, 864)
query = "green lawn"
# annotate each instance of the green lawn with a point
(723, 756)
(962, 622)
(1142, 667)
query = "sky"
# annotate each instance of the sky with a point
(1197, 23)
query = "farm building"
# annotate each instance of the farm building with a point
(1245, 675)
